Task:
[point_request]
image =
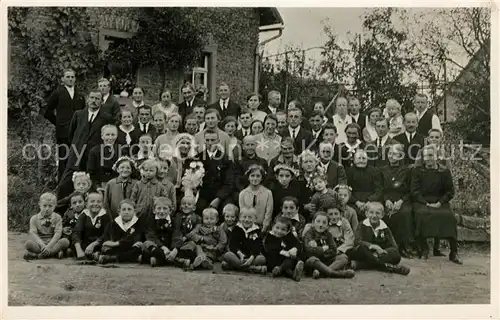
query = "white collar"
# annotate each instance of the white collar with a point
(273, 109)
(355, 117)
(336, 118)
(409, 135)
(101, 213)
(105, 98)
(41, 217)
(354, 147)
(421, 114)
(315, 132)
(383, 139)
(125, 225)
(137, 105)
(70, 89)
(212, 154)
(167, 218)
(381, 225)
(141, 156)
(254, 227)
(226, 101)
(94, 112)
(294, 129)
(296, 217)
(127, 131)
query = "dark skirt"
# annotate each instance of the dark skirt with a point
(435, 222)
(402, 225)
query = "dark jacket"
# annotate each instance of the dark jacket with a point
(411, 148)
(232, 108)
(248, 242)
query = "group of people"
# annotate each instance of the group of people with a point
(259, 188)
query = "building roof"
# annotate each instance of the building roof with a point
(269, 16)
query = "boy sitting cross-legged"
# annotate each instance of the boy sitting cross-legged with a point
(45, 231)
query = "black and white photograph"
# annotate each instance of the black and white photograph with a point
(201, 155)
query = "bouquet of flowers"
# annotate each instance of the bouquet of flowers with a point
(193, 178)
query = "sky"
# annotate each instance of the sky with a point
(304, 26)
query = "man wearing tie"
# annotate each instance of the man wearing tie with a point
(84, 133)
(356, 116)
(316, 124)
(245, 122)
(190, 100)
(427, 119)
(226, 106)
(410, 139)
(274, 100)
(300, 136)
(110, 104)
(377, 150)
(61, 106)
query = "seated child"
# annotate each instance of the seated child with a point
(376, 247)
(284, 186)
(44, 236)
(320, 251)
(282, 249)
(290, 210)
(209, 238)
(184, 222)
(119, 188)
(147, 188)
(230, 213)
(166, 180)
(81, 183)
(342, 234)
(77, 200)
(103, 156)
(158, 248)
(343, 194)
(90, 227)
(246, 245)
(323, 196)
(121, 238)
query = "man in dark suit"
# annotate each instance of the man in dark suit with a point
(225, 105)
(190, 100)
(219, 179)
(84, 133)
(316, 125)
(335, 172)
(357, 117)
(301, 137)
(377, 149)
(410, 139)
(245, 121)
(61, 106)
(274, 100)
(110, 104)
(144, 123)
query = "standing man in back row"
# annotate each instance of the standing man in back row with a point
(225, 105)
(274, 100)
(427, 119)
(61, 106)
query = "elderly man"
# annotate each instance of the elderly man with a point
(61, 106)
(274, 100)
(84, 133)
(335, 172)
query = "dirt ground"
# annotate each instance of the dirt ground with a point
(62, 283)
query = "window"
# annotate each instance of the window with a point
(198, 75)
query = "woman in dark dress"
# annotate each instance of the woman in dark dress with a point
(431, 190)
(366, 183)
(396, 199)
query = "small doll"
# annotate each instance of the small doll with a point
(45, 230)
(320, 250)
(209, 238)
(282, 250)
(121, 240)
(246, 245)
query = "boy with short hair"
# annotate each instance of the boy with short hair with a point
(245, 120)
(44, 236)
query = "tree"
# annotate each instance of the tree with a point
(56, 38)
(167, 37)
